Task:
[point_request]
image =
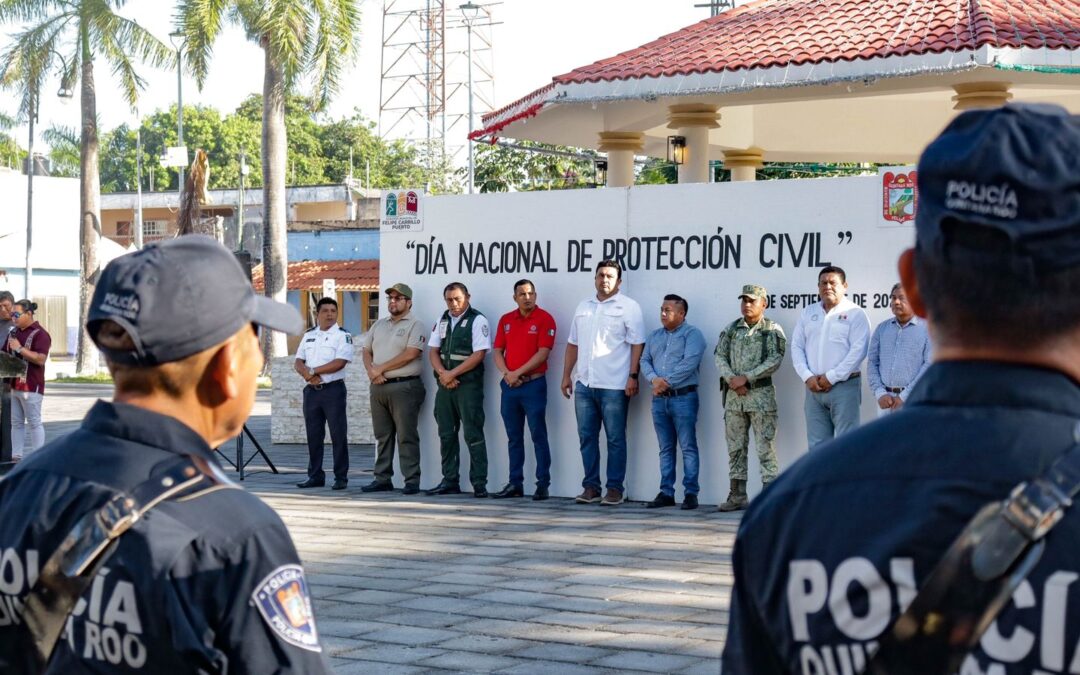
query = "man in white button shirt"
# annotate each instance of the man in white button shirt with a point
(827, 349)
(605, 343)
(321, 359)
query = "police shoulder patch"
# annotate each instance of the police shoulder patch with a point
(284, 602)
(484, 329)
(348, 338)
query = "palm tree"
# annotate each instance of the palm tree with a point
(298, 37)
(67, 35)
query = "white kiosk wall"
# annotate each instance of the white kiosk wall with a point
(701, 241)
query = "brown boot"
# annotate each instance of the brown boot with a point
(737, 499)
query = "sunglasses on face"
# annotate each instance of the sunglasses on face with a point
(16, 315)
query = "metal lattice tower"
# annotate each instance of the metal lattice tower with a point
(718, 6)
(423, 96)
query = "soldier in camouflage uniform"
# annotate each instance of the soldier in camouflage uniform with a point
(749, 352)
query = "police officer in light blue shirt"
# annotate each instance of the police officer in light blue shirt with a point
(669, 364)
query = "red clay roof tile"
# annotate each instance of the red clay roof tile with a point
(787, 32)
(348, 275)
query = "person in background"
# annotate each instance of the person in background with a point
(29, 342)
(899, 354)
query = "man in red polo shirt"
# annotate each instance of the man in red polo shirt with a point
(523, 340)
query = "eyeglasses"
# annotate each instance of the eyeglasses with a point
(16, 315)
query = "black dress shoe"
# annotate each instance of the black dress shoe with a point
(377, 486)
(480, 492)
(340, 484)
(510, 490)
(689, 503)
(444, 489)
(541, 493)
(311, 483)
(660, 501)
(410, 489)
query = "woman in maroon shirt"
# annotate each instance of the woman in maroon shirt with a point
(30, 342)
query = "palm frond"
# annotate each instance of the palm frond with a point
(201, 22)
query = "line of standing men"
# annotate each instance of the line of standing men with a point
(607, 354)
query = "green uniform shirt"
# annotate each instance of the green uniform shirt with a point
(756, 352)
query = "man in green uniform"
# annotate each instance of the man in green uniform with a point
(458, 344)
(749, 352)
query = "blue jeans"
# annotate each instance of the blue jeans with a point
(675, 420)
(593, 407)
(528, 401)
(832, 413)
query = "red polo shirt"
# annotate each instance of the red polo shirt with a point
(521, 337)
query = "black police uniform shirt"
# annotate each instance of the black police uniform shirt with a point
(207, 585)
(828, 556)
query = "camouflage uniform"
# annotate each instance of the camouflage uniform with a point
(739, 352)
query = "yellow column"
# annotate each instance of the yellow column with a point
(621, 146)
(693, 121)
(744, 164)
(971, 95)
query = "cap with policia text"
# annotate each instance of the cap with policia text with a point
(178, 298)
(1014, 170)
(753, 291)
(402, 289)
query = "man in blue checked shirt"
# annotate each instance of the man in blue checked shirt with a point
(670, 364)
(899, 354)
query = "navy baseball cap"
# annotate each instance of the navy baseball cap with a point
(179, 297)
(1014, 169)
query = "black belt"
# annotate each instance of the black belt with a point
(671, 393)
(894, 390)
(763, 382)
(325, 384)
(394, 380)
(529, 378)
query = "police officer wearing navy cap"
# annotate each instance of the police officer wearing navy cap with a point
(827, 558)
(124, 548)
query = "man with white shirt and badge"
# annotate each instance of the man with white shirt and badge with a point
(457, 347)
(828, 346)
(603, 353)
(321, 359)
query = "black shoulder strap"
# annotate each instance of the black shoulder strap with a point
(72, 567)
(977, 576)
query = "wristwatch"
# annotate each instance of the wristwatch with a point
(634, 375)
(310, 373)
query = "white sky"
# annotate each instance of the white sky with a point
(535, 41)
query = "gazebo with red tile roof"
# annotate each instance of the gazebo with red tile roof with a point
(806, 80)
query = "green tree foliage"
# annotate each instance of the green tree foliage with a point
(318, 152)
(532, 166)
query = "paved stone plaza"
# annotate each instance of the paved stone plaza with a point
(451, 584)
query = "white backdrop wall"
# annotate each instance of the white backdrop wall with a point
(701, 241)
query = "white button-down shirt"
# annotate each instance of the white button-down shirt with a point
(320, 347)
(832, 343)
(603, 333)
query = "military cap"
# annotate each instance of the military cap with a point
(1015, 170)
(402, 289)
(753, 291)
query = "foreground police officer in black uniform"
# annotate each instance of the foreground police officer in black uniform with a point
(206, 581)
(828, 556)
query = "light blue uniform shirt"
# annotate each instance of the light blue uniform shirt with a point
(673, 355)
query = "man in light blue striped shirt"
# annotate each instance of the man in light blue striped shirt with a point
(899, 354)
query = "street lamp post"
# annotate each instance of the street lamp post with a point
(65, 92)
(469, 12)
(177, 39)
(138, 183)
